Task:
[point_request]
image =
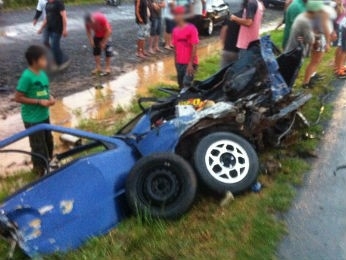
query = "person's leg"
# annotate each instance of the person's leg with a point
(38, 146)
(109, 54)
(140, 41)
(56, 49)
(146, 35)
(97, 55)
(152, 36)
(315, 60)
(181, 71)
(157, 35)
(168, 35)
(49, 141)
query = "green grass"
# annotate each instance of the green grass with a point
(247, 228)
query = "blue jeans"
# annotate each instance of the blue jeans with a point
(55, 47)
(184, 80)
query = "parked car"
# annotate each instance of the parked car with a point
(1, 4)
(113, 2)
(275, 3)
(216, 12)
(209, 131)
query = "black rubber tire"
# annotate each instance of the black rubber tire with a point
(175, 195)
(205, 175)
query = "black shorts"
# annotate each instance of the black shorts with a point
(170, 24)
(97, 47)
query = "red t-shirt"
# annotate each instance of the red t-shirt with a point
(183, 39)
(100, 26)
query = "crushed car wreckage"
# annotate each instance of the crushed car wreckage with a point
(208, 131)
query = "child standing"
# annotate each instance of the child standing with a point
(33, 94)
(185, 41)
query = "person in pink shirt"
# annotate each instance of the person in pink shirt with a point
(250, 23)
(99, 33)
(185, 41)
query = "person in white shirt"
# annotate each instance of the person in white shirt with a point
(169, 23)
(41, 11)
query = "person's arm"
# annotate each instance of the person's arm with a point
(36, 17)
(44, 24)
(223, 33)
(194, 42)
(250, 11)
(89, 35)
(39, 10)
(107, 36)
(138, 13)
(22, 99)
(64, 22)
(242, 21)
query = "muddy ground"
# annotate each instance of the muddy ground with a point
(17, 33)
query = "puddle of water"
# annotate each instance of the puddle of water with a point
(95, 103)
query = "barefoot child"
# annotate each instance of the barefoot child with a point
(33, 93)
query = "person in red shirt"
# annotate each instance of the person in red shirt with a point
(185, 41)
(99, 33)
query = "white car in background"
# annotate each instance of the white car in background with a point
(1, 4)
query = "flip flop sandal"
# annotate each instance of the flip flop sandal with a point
(96, 72)
(106, 73)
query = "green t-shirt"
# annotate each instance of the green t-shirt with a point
(294, 9)
(34, 86)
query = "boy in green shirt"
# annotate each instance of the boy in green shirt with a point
(33, 93)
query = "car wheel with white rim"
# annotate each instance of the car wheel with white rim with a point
(226, 162)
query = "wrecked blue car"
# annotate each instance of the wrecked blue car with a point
(208, 131)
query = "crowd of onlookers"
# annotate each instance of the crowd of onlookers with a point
(317, 25)
(314, 25)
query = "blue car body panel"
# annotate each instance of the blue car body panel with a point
(78, 201)
(85, 198)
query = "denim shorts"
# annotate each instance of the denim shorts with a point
(143, 31)
(170, 24)
(341, 38)
(155, 26)
(320, 43)
(97, 47)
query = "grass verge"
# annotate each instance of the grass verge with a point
(248, 228)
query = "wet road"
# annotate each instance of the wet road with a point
(317, 220)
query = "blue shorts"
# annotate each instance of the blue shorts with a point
(155, 26)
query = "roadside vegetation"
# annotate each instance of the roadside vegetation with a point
(249, 227)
